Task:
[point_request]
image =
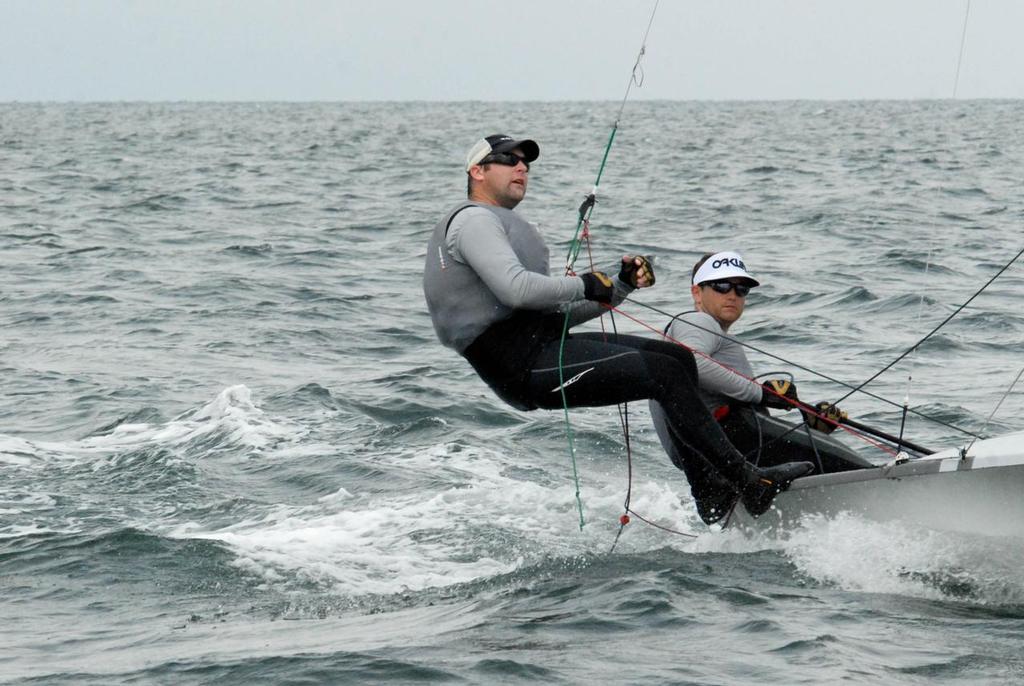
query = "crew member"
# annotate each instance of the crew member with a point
(719, 287)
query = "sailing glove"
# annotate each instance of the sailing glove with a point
(825, 418)
(779, 394)
(597, 287)
(632, 272)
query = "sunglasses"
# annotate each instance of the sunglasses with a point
(724, 287)
(507, 159)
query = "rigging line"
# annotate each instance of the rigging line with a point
(945, 321)
(627, 506)
(799, 405)
(838, 425)
(913, 357)
(801, 367)
(587, 207)
(928, 260)
(636, 66)
(820, 414)
(1007, 393)
(574, 248)
(963, 41)
(624, 519)
(659, 526)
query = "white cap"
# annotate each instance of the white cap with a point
(723, 265)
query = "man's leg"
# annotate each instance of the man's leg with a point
(596, 370)
(630, 368)
(713, 494)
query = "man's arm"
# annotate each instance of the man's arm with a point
(702, 334)
(586, 310)
(477, 238)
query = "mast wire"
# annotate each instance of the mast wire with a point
(993, 414)
(963, 41)
(931, 333)
(821, 375)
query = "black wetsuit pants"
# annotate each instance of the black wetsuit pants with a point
(599, 369)
(604, 370)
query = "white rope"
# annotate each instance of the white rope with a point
(963, 41)
(928, 261)
(1005, 395)
(634, 77)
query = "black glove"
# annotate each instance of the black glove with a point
(827, 418)
(776, 393)
(632, 272)
(598, 287)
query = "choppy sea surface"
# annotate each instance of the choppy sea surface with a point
(232, 450)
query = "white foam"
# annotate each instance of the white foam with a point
(232, 413)
(485, 519)
(234, 410)
(484, 524)
(855, 554)
(232, 416)
(231, 421)
(22, 530)
(17, 452)
(366, 547)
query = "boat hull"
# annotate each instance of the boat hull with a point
(980, 493)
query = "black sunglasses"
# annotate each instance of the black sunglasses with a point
(724, 287)
(508, 159)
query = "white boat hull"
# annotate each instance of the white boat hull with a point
(982, 493)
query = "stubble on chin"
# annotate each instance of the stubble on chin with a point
(514, 194)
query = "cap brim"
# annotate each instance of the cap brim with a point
(744, 277)
(724, 274)
(531, 150)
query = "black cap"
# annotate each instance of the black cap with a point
(499, 142)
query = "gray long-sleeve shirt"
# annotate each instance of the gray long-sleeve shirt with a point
(700, 332)
(489, 262)
(476, 237)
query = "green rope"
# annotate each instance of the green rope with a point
(576, 244)
(635, 77)
(574, 250)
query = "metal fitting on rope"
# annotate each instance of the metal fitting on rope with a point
(587, 205)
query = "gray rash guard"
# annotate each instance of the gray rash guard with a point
(488, 262)
(702, 333)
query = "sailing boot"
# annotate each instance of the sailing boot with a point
(713, 509)
(714, 496)
(761, 485)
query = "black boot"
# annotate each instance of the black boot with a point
(715, 499)
(761, 485)
(711, 510)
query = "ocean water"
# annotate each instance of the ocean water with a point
(232, 450)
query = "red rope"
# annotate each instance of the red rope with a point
(624, 422)
(658, 526)
(624, 408)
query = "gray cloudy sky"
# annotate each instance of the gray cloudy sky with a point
(524, 50)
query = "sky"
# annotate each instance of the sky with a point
(398, 50)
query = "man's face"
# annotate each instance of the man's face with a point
(502, 182)
(726, 308)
